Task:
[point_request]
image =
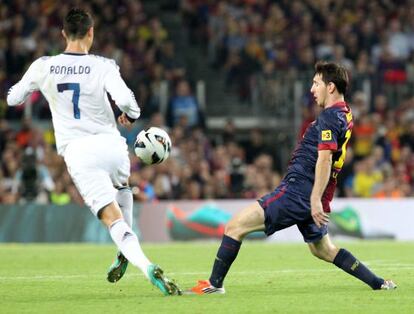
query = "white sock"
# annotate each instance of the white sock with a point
(127, 242)
(125, 201)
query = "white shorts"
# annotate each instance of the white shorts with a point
(96, 164)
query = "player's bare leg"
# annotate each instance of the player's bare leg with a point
(127, 242)
(124, 199)
(248, 220)
(327, 251)
(324, 249)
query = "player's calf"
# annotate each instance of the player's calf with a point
(347, 262)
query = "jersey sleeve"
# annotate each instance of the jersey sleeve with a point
(329, 132)
(28, 84)
(120, 93)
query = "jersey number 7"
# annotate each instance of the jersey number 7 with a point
(75, 98)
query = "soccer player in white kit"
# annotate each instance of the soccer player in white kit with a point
(76, 85)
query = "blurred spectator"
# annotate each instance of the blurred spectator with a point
(174, 67)
(143, 182)
(389, 189)
(183, 108)
(381, 106)
(255, 145)
(237, 177)
(5, 134)
(6, 196)
(23, 137)
(32, 182)
(59, 196)
(407, 136)
(399, 44)
(363, 136)
(367, 178)
(229, 132)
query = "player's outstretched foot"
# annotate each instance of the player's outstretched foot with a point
(205, 287)
(388, 285)
(118, 268)
(157, 278)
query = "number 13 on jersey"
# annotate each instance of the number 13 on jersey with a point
(75, 98)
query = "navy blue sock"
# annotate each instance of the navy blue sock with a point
(352, 266)
(226, 254)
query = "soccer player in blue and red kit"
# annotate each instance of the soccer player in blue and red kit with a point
(303, 197)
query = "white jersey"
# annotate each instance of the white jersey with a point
(76, 87)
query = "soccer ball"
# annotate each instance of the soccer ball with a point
(152, 146)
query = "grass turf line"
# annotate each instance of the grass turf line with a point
(266, 278)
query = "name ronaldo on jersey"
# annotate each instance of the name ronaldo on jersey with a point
(67, 70)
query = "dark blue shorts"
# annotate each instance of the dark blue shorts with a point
(285, 207)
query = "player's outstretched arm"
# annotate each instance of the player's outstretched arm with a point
(120, 93)
(21, 90)
(322, 173)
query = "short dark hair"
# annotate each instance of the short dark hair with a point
(77, 23)
(333, 72)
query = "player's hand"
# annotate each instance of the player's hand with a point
(123, 120)
(319, 216)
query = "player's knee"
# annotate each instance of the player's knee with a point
(319, 254)
(234, 230)
(331, 253)
(312, 249)
(325, 253)
(110, 213)
(315, 252)
(230, 229)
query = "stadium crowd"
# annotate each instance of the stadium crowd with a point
(373, 39)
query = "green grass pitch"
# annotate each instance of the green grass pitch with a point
(266, 278)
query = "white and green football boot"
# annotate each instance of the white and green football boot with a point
(118, 268)
(157, 278)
